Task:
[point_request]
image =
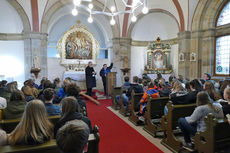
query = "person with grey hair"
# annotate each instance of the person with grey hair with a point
(73, 137)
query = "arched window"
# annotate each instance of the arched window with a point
(222, 51)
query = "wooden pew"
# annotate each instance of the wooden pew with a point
(133, 106)
(169, 123)
(0, 114)
(116, 91)
(9, 125)
(155, 109)
(215, 138)
(51, 147)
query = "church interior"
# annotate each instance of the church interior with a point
(98, 54)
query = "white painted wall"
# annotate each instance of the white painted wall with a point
(10, 21)
(12, 61)
(154, 24)
(138, 60)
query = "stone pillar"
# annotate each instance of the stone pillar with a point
(35, 45)
(121, 56)
(184, 47)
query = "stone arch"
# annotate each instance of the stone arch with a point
(206, 14)
(22, 14)
(131, 26)
(59, 4)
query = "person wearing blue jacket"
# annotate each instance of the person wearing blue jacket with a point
(103, 73)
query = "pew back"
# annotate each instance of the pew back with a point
(51, 147)
(216, 136)
(169, 123)
(116, 91)
(9, 125)
(157, 106)
(0, 114)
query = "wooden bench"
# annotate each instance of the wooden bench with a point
(0, 114)
(155, 109)
(133, 106)
(169, 123)
(51, 147)
(215, 138)
(9, 125)
(116, 91)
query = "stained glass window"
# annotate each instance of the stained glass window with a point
(222, 66)
(224, 17)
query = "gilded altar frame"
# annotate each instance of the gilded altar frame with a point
(78, 34)
(158, 58)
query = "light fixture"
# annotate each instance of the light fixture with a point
(113, 9)
(74, 12)
(136, 4)
(90, 19)
(112, 21)
(145, 10)
(134, 18)
(77, 2)
(90, 6)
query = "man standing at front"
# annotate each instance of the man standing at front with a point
(103, 73)
(90, 78)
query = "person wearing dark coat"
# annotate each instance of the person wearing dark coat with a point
(69, 113)
(90, 78)
(103, 73)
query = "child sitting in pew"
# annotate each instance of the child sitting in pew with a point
(34, 127)
(51, 109)
(152, 92)
(73, 137)
(70, 111)
(191, 124)
(16, 106)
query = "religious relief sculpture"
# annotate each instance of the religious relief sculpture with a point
(77, 45)
(158, 58)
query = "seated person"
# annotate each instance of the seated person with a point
(210, 89)
(73, 137)
(207, 77)
(28, 93)
(226, 108)
(195, 87)
(15, 107)
(32, 85)
(191, 124)
(7, 91)
(163, 89)
(150, 92)
(125, 87)
(34, 127)
(57, 84)
(3, 103)
(62, 92)
(178, 95)
(71, 111)
(49, 84)
(42, 82)
(127, 95)
(51, 109)
(73, 90)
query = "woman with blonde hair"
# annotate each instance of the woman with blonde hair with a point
(191, 124)
(34, 127)
(28, 93)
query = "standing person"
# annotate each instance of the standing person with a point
(103, 73)
(90, 78)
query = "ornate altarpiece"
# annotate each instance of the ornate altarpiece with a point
(77, 47)
(158, 58)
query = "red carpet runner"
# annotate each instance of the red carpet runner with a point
(116, 135)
